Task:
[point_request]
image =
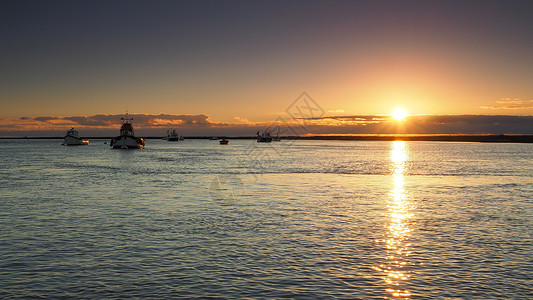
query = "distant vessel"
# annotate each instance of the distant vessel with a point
(264, 137)
(277, 138)
(173, 136)
(213, 138)
(223, 142)
(127, 139)
(73, 139)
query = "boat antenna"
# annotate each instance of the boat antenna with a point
(126, 119)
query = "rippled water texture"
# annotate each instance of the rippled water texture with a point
(296, 219)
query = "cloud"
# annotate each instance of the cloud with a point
(157, 125)
(97, 120)
(103, 123)
(422, 124)
(162, 120)
(507, 107)
(46, 119)
(242, 120)
(511, 103)
(140, 120)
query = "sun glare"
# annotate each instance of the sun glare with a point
(399, 114)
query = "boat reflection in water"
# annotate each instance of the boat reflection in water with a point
(395, 268)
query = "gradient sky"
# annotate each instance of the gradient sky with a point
(247, 61)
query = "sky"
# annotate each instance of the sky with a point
(231, 67)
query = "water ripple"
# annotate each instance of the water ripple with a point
(312, 219)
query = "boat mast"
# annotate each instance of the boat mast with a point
(126, 128)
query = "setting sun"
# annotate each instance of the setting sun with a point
(399, 114)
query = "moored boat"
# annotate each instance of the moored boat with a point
(72, 138)
(223, 142)
(264, 137)
(173, 136)
(127, 138)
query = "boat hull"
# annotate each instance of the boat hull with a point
(264, 140)
(127, 142)
(74, 141)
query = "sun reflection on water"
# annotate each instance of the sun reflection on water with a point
(396, 240)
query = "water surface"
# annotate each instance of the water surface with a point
(296, 219)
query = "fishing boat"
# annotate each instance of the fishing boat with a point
(173, 136)
(223, 142)
(214, 138)
(72, 138)
(264, 137)
(127, 138)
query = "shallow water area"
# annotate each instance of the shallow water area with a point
(296, 219)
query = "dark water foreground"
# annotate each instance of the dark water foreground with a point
(295, 219)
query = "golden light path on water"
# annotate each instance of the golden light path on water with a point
(396, 240)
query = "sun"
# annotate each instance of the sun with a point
(399, 114)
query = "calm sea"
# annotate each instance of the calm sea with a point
(290, 219)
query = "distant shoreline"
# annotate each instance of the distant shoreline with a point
(428, 138)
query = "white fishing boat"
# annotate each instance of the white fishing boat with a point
(73, 139)
(214, 138)
(264, 137)
(127, 138)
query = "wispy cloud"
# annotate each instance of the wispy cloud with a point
(507, 107)
(242, 120)
(511, 103)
